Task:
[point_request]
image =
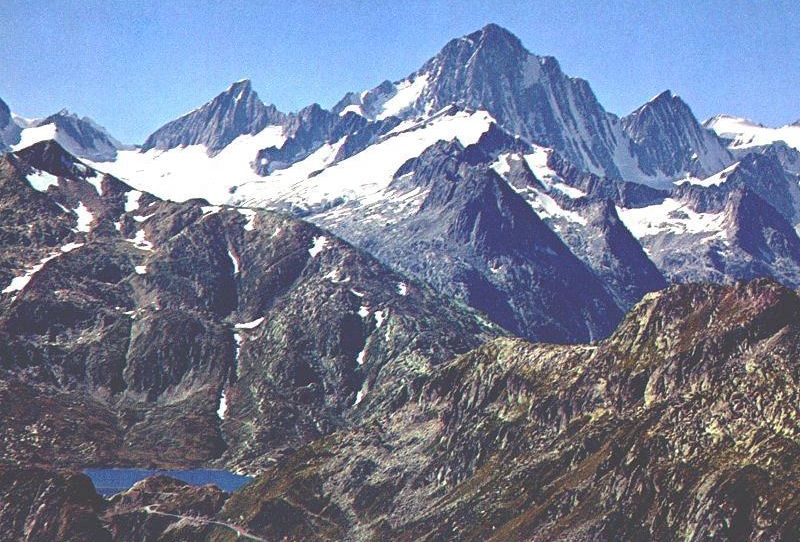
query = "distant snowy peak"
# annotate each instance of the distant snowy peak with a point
(744, 133)
(80, 136)
(235, 112)
(668, 141)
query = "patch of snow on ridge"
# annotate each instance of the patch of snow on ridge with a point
(18, 284)
(318, 246)
(85, 217)
(95, 180)
(32, 136)
(670, 216)
(189, 172)
(250, 215)
(42, 180)
(69, 247)
(365, 175)
(714, 180)
(537, 161)
(407, 93)
(746, 133)
(250, 325)
(132, 200)
(140, 242)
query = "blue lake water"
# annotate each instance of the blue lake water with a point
(111, 481)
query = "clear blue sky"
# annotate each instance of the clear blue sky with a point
(133, 65)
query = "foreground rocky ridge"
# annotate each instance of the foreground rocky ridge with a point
(139, 331)
(681, 425)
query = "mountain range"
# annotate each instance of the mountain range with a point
(467, 304)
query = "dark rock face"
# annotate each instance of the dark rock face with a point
(236, 111)
(82, 137)
(668, 140)
(612, 252)
(188, 333)
(313, 127)
(474, 237)
(9, 131)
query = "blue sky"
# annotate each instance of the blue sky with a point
(133, 65)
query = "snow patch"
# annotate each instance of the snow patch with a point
(250, 325)
(380, 317)
(32, 136)
(17, 284)
(746, 133)
(714, 180)
(360, 395)
(140, 242)
(223, 406)
(318, 245)
(140, 269)
(132, 200)
(364, 176)
(250, 216)
(363, 311)
(406, 94)
(234, 260)
(189, 172)
(671, 216)
(95, 180)
(85, 217)
(42, 180)
(402, 288)
(69, 247)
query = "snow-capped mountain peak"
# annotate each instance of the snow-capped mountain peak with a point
(81, 136)
(234, 112)
(668, 140)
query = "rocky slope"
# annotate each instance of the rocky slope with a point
(188, 333)
(681, 425)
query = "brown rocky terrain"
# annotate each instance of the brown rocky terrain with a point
(681, 425)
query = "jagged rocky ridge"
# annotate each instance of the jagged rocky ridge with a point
(140, 331)
(682, 424)
(235, 112)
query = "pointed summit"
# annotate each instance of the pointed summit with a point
(529, 96)
(667, 139)
(234, 112)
